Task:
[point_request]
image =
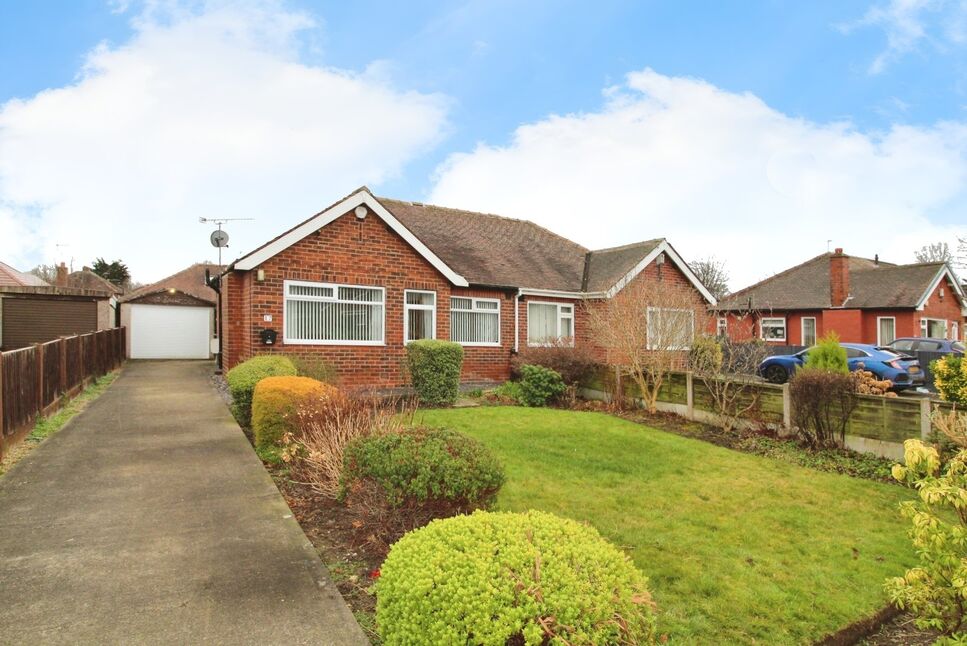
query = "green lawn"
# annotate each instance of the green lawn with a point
(738, 548)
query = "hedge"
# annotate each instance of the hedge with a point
(243, 378)
(435, 370)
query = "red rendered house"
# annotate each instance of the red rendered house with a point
(861, 300)
(354, 283)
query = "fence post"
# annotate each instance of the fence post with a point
(39, 358)
(689, 395)
(786, 406)
(925, 426)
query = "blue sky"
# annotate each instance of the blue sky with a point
(895, 73)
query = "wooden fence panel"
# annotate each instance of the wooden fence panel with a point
(35, 380)
(20, 394)
(52, 377)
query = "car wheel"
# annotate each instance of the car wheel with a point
(776, 375)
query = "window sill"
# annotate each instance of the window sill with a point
(335, 343)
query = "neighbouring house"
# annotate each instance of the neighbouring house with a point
(174, 318)
(87, 279)
(354, 283)
(861, 300)
(33, 311)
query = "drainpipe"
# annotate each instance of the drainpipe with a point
(517, 321)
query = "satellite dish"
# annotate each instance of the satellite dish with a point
(219, 238)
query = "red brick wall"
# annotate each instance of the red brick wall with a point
(349, 252)
(948, 309)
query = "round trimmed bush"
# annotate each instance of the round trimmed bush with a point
(435, 370)
(499, 578)
(243, 378)
(276, 403)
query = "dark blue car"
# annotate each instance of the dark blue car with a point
(902, 371)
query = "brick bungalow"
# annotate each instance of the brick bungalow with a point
(862, 300)
(352, 284)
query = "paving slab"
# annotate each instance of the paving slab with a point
(149, 519)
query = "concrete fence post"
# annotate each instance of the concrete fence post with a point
(925, 425)
(786, 407)
(690, 395)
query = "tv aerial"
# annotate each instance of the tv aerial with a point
(219, 237)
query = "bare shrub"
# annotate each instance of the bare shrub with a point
(822, 402)
(646, 329)
(727, 370)
(315, 453)
(952, 425)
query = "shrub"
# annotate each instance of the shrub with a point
(243, 378)
(315, 453)
(539, 385)
(935, 590)
(576, 365)
(506, 578)
(705, 356)
(828, 355)
(950, 378)
(435, 370)
(399, 481)
(866, 383)
(822, 402)
(276, 403)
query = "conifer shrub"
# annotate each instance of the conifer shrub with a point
(511, 578)
(276, 404)
(434, 367)
(243, 378)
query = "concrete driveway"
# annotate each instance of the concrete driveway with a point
(149, 519)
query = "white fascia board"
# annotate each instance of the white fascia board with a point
(663, 247)
(553, 293)
(253, 260)
(944, 272)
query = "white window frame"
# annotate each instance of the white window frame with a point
(772, 319)
(879, 337)
(802, 330)
(560, 316)
(648, 314)
(287, 340)
(411, 306)
(722, 327)
(925, 327)
(473, 308)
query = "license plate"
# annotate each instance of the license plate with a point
(914, 369)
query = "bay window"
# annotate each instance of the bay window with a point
(549, 323)
(419, 315)
(331, 314)
(475, 321)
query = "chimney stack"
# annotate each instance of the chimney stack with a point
(838, 278)
(61, 280)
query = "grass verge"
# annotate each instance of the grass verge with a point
(739, 548)
(47, 426)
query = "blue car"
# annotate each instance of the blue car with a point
(903, 371)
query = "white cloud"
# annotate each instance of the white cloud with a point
(909, 23)
(720, 174)
(204, 112)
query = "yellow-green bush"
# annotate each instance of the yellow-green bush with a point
(276, 403)
(950, 378)
(499, 578)
(243, 378)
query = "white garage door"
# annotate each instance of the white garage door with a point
(170, 332)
